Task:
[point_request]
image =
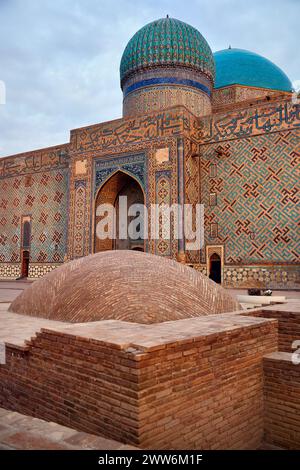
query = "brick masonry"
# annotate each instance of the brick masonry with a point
(108, 280)
(171, 386)
(282, 400)
(288, 325)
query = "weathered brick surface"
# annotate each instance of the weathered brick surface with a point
(21, 432)
(123, 285)
(194, 383)
(206, 394)
(288, 325)
(282, 400)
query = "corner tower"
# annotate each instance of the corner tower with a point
(167, 63)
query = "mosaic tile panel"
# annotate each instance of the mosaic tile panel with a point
(149, 99)
(271, 277)
(40, 270)
(163, 197)
(45, 199)
(80, 218)
(134, 165)
(258, 197)
(192, 187)
(10, 270)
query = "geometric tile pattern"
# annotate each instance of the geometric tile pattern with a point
(38, 270)
(256, 153)
(258, 198)
(132, 164)
(163, 197)
(192, 188)
(80, 217)
(277, 276)
(9, 270)
(45, 200)
(167, 42)
(153, 98)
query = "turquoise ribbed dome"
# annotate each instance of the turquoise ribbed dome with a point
(166, 42)
(238, 66)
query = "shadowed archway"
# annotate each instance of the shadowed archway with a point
(215, 273)
(119, 184)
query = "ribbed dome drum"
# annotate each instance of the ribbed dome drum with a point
(167, 63)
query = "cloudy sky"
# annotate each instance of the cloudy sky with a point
(60, 58)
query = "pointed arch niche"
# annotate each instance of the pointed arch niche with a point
(118, 184)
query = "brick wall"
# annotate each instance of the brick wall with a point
(206, 394)
(288, 326)
(194, 383)
(282, 400)
(55, 381)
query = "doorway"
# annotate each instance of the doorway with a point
(120, 184)
(215, 268)
(25, 263)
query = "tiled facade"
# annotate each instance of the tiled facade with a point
(257, 197)
(183, 139)
(34, 186)
(255, 157)
(155, 98)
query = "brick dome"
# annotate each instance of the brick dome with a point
(123, 285)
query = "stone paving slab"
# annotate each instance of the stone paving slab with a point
(20, 432)
(292, 306)
(16, 329)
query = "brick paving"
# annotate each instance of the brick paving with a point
(15, 329)
(177, 343)
(9, 290)
(20, 432)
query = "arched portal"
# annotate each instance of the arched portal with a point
(119, 184)
(215, 268)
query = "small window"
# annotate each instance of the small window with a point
(26, 234)
(213, 170)
(213, 199)
(214, 230)
(252, 235)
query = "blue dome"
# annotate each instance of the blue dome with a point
(241, 67)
